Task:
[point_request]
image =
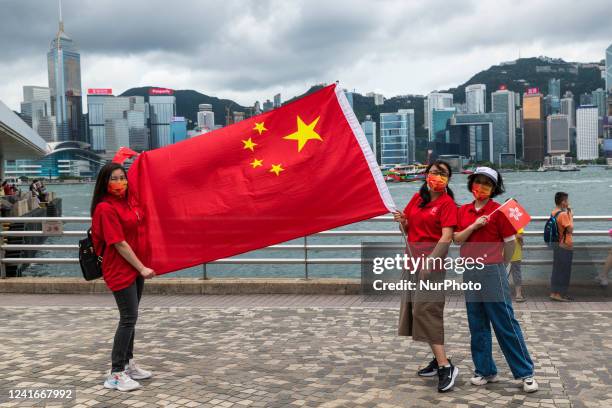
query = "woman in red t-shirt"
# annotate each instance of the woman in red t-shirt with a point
(115, 237)
(486, 234)
(429, 220)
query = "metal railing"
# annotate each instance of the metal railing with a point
(304, 246)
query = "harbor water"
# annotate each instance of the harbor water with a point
(590, 192)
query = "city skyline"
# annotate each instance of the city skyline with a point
(250, 65)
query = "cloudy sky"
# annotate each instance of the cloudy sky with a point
(250, 50)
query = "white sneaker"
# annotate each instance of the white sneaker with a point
(480, 380)
(530, 384)
(135, 372)
(120, 381)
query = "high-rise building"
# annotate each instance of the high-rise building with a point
(238, 116)
(117, 134)
(277, 100)
(586, 99)
(554, 88)
(206, 117)
(534, 127)
(503, 101)
(587, 122)
(481, 136)
(558, 134)
(369, 128)
(64, 68)
(568, 107)
(349, 97)
(440, 120)
(162, 108)
(476, 98)
(36, 114)
(178, 129)
(599, 99)
(379, 99)
(268, 105)
(37, 93)
(123, 116)
(436, 100)
(257, 108)
(397, 137)
(608, 72)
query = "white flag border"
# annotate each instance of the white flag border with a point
(350, 117)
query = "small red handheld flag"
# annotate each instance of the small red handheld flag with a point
(294, 171)
(515, 213)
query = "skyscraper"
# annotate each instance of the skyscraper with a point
(369, 128)
(568, 107)
(586, 133)
(503, 101)
(554, 88)
(37, 107)
(206, 117)
(178, 129)
(397, 137)
(608, 73)
(64, 68)
(436, 100)
(599, 100)
(277, 100)
(586, 99)
(534, 127)
(558, 134)
(123, 116)
(162, 108)
(476, 98)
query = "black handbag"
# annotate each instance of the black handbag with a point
(91, 264)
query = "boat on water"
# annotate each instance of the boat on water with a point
(541, 169)
(406, 173)
(568, 167)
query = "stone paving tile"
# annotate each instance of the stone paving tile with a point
(293, 357)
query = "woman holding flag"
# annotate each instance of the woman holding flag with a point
(484, 231)
(115, 238)
(429, 220)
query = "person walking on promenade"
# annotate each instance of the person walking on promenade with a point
(486, 235)
(515, 267)
(429, 220)
(563, 250)
(115, 238)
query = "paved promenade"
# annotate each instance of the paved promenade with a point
(289, 351)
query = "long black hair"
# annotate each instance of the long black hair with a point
(100, 190)
(498, 188)
(424, 191)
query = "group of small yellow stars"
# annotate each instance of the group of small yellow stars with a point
(303, 134)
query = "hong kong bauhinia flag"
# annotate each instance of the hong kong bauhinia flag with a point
(515, 213)
(297, 170)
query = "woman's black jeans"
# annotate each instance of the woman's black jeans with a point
(127, 300)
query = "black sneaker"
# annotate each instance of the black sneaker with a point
(430, 370)
(446, 378)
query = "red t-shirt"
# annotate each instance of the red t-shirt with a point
(114, 221)
(488, 241)
(425, 224)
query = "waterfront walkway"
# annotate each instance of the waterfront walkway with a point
(290, 351)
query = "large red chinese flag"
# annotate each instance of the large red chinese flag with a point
(297, 170)
(515, 213)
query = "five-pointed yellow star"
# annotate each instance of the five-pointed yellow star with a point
(304, 133)
(259, 127)
(249, 144)
(276, 169)
(256, 163)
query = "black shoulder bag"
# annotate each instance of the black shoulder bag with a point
(91, 264)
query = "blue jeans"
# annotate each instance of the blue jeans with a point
(492, 305)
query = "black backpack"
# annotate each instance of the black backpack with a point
(551, 230)
(91, 264)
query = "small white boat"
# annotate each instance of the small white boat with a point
(568, 167)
